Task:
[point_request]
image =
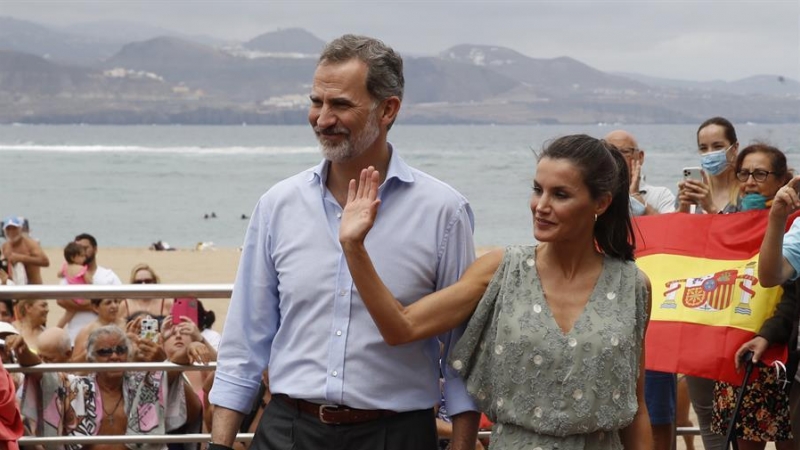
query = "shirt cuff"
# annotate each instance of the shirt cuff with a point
(456, 397)
(233, 393)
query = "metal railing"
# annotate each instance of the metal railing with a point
(139, 291)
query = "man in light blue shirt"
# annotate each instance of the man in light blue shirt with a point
(294, 308)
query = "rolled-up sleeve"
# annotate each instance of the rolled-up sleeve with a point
(252, 320)
(458, 252)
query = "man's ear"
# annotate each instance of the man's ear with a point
(389, 108)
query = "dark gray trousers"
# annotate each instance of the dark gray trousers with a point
(283, 427)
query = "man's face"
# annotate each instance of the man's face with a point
(344, 116)
(627, 146)
(13, 233)
(90, 251)
(52, 355)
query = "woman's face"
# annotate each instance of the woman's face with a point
(109, 348)
(562, 206)
(174, 341)
(143, 276)
(712, 138)
(759, 161)
(37, 312)
(108, 309)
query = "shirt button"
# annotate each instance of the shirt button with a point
(537, 308)
(572, 342)
(338, 215)
(335, 373)
(342, 292)
(338, 332)
(538, 360)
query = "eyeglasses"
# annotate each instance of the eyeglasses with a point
(145, 281)
(106, 352)
(759, 175)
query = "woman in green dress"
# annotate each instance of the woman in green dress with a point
(553, 352)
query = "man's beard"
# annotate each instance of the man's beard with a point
(349, 148)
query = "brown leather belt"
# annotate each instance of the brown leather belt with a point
(334, 414)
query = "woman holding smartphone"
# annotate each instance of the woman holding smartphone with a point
(718, 146)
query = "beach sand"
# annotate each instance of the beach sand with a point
(173, 267)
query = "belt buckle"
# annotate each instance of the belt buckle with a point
(323, 409)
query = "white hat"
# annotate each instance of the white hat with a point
(6, 329)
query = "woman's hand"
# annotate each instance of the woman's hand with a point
(359, 213)
(188, 328)
(693, 192)
(149, 351)
(786, 200)
(198, 353)
(757, 345)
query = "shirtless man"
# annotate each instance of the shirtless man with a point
(20, 248)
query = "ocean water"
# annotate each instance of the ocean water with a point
(133, 185)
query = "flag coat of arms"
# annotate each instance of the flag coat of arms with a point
(707, 300)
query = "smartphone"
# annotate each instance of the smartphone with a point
(184, 306)
(693, 173)
(149, 329)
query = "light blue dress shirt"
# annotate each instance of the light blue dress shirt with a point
(791, 247)
(295, 308)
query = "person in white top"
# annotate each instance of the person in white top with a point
(100, 276)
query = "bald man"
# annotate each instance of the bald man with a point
(55, 346)
(646, 200)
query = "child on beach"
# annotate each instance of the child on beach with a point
(74, 271)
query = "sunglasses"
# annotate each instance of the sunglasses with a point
(106, 352)
(145, 281)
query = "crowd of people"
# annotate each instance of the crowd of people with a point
(103, 330)
(360, 309)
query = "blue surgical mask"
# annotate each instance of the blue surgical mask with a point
(752, 201)
(714, 163)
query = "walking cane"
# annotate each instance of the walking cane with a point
(747, 358)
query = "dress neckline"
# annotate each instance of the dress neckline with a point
(539, 286)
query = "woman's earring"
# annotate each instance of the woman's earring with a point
(595, 217)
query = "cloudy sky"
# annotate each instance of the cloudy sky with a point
(685, 39)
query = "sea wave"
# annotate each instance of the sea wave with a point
(195, 150)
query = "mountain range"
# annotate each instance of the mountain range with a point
(123, 73)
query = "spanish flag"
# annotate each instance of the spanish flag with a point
(707, 300)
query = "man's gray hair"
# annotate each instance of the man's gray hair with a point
(384, 65)
(108, 330)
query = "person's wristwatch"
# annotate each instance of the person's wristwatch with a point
(213, 446)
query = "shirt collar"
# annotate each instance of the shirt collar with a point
(397, 169)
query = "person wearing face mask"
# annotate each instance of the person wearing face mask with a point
(718, 146)
(764, 415)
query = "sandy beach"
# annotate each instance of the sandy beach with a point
(173, 267)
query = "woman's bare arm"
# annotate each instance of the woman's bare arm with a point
(427, 317)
